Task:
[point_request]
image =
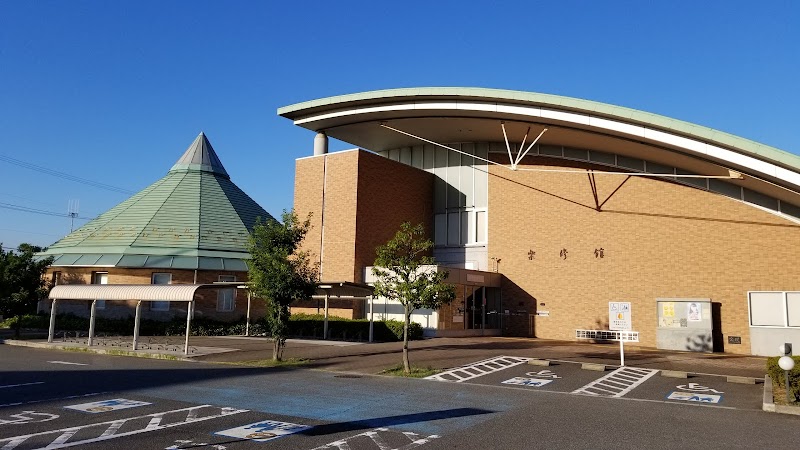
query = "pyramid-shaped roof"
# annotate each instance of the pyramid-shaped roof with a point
(193, 218)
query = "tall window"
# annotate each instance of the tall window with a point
(100, 278)
(56, 278)
(226, 298)
(160, 278)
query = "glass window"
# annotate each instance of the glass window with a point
(453, 229)
(788, 208)
(630, 163)
(575, 153)
(160, 278)
(603, 157)
(725, 188)
(767, 309)
(440, 229)
(699, 182)
(480, 218)
(793, 308)
(550, 150)
(56, 278)
(760, 199)
(100, 278)
(226, 297)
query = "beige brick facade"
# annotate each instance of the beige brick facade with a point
(366, 197)
(660, 240)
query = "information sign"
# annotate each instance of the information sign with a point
(619, 316)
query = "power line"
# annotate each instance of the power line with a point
(66, 176)
(38, 211)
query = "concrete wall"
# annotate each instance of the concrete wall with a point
(660, 240)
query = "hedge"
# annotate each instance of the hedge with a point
(778, 375)
(300, 325)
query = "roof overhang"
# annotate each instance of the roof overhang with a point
(343, 289)
(143, 292)
(450, 115)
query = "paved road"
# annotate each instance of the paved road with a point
(57, 399)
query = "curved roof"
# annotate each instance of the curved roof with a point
(352, 118)
(192, 218)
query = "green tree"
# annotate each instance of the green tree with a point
(405, 273)
(22, 283)
(279, 272)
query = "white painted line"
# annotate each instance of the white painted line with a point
(631, 377)
(67, 363)
(377, 439)
(108, 430)
(21, 384)
(474, 370)
(52, 399)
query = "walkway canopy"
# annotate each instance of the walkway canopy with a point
(138, 292)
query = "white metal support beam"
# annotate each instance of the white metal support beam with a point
(52, 330)
(136, 325)
(91, 323)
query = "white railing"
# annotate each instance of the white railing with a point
(607, 335)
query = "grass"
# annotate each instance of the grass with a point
(291, 362)
(779, 396)
(416, 372)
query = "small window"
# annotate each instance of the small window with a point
(161, 278)
(630, 163)
(100, 278)
(226, 298)
(56, 280)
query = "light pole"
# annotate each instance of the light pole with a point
(786, 363)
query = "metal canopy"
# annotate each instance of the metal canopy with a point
(343, 289)
(144, 292)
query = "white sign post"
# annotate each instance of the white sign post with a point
(619, 319)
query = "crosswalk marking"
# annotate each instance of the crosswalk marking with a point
(478, 369)
(617, 383)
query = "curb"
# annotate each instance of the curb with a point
(99, 351)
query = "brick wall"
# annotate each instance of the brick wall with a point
(659, 239)
(366, 198)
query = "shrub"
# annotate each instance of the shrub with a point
(778, 375)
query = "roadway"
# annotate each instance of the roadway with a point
(57, 399)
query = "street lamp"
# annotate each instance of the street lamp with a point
(786, 363)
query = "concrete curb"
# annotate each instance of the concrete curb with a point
(674, 374)
(539, 362)
(99, 351)
(594, 366)
(741, 380)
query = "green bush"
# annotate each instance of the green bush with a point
(300, 325)
(778, 375)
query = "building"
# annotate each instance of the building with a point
(551, 208)
(189, 227)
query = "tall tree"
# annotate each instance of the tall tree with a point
(21, 281)
(406, 273)
(279, 272)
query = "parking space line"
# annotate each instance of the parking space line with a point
(478, 369)
(627, 377)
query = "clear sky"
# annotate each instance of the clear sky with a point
(113, 92)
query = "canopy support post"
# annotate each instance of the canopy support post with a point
(52, 322)
(371, 318)
(91, 323)
(136, 325)
(189, 310)
(247, 324)
(325, 325)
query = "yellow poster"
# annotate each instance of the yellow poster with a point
(668, 309)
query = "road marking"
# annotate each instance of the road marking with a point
(689, 397)
(375, 437)
(263, 431)
(68, 363)
(617, 383)
(695, 387)
(52, 399)
(535, 382)
(478, 369)
(187, 443)
(21, 384)
(25, 417)
(108, 430)
(107, 405)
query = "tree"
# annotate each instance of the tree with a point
(404, 273)
(279, 272)
(22, 283)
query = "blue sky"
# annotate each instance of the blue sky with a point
(115, 91)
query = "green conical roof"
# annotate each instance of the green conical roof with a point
(193, 218)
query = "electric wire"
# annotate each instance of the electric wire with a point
(39, 211)
(65, 176)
